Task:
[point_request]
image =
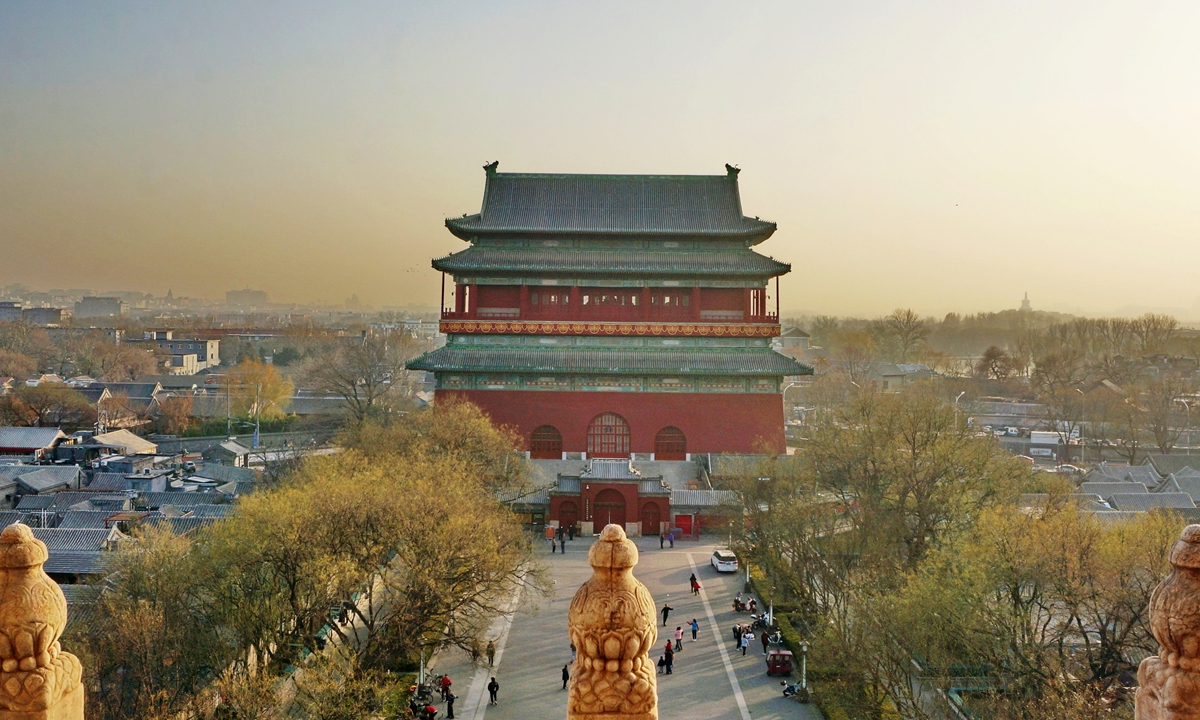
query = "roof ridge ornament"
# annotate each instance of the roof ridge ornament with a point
(490, 168)
(732, 170)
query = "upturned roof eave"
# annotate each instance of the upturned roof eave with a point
(461, 229)
(495, 271)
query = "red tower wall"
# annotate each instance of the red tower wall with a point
(730, 423)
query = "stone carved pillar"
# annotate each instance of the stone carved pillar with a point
(37, 680)
(1169, 683)
(612, 625)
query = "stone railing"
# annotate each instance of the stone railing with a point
(37, 680)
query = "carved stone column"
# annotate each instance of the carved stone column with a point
(612, 625)
(37, 680)
(1169, 683)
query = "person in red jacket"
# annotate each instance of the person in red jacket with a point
(446, 683)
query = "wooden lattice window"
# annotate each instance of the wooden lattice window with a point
(670, 444)
(608, 436)
(546, 443)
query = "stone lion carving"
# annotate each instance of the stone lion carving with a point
(37, 679)
(1170, 681)
(612, 625)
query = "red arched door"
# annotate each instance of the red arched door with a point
(545, 443)
(670, 444)
(609, 508)
(568, 513)
(608, 436)
(650, 519)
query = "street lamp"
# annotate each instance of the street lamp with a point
(804, 666)
(1187, 406)
(964, 392)
(1083, 416)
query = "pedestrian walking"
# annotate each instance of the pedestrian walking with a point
(745, 643)
(670, 656)
(553, 546)
(665, 612)
(671, 538)
(562, 545)
(566, 673)
(678, 638)
(450, 706)
(571, 532)
(493, 688)
(446, 683)
(695, 629)
(662, 540)
(693, 582)
(662, 664)
(766, 640)
(491, 653)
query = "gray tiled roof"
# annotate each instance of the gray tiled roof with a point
(215, 511)
(569, 485)
(653, 487)
(604, 262)
(85, 519)
(608, 204)
(703, 498)
(73, 539)
(605, 469)
(1116, 516)
(10, 517)
(180, 499)
(49, 477)
(181, 525)
(28, 437)
(79, 563)
(109, 482)
(1107, 489)
(1169, 464)
(610, 361)
(1151, 501)
(226, 473)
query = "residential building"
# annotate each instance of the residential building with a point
(246, 298)
(42, 315)
(10, 311)
(231, 452)
(99, 307)
(36, 443)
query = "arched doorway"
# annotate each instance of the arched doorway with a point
(650, 519)
(609, 508)
(608, 436)
(568, 513)
(670, 444)
(545, 443)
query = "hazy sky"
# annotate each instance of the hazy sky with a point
(934, 155)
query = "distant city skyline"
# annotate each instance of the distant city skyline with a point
(938, 156)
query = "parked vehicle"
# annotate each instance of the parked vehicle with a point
(725, 561)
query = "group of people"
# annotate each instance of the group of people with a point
(666, 662)
(559, 537)
(664, 538)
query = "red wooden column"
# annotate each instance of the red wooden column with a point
(524, 302)
(748, 304)
(645, 302)
(575, 302)
(460, 297)
(696, 303)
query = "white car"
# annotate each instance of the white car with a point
(725, 561)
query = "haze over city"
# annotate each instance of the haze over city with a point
(939, 156)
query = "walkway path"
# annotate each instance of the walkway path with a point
(711, 679)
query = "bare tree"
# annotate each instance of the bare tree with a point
(368, 374)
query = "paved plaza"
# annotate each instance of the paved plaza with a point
(710, 680)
